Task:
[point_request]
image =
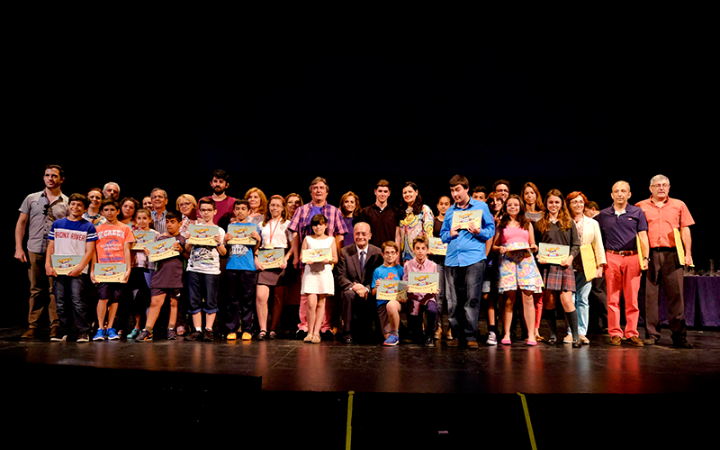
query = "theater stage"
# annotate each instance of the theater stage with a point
(408, 394)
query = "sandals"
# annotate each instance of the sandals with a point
(315, 339)
(261, 335)
(308, 338)
(272, 335)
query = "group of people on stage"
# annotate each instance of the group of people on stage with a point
(499, 255)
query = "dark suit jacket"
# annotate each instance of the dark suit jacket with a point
(348, 266)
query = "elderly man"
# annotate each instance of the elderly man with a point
(300, 225)
(465, 262)
(111, 190)
(665, 215)
(39, 210)
(620, 225)
(159, 203)
(354, 276)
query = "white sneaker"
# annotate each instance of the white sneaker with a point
(492, 339)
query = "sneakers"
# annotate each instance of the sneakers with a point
(83, 337)
(100, 335)
(391, 340)
(232, 336)
(208, 336)
(133, 334)
(180, 330)
(194, 335)
(491, 339)
(144, 335)
(171, 334)
(430, 341)
(112, 334)
(59, 337)
(246, 336)
(53, 331)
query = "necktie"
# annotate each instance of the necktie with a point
(362, 260)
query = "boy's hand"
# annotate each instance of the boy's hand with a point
(49, 271)
(454, 231)
(92, 276)
(255, 236)
(228, 236)
(177, 247)
(147, 251)
(75, 272)
(217, 238)
(473, 228)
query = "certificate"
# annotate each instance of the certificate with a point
(271, 258)
(64, 264)
(110, 273)
(517, 246)
(437, 247)
(313, 255)
(163, 249)
(203, 235)
(392, 290)
(142, 238)
(465, 218)
(552, 253)
(240, 234)
(423, 282)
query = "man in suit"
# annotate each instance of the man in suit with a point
(354, 275)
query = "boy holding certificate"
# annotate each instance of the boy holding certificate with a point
(421, 302)
(241, 277)
(167, 278)
(111, 249)
(204, 274)
(388, 310)
(71, 236)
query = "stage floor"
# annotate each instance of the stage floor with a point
(290, 365)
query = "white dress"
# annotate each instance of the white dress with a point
(318, 277)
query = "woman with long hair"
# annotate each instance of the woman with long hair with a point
(557, 227)
(258, 204)
(350, 209)
(417, 219)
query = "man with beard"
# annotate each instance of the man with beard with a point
(223, 202)
(111, 190)
(39, 211)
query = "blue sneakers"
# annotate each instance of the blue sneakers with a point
(133, 334)
(391, 340)
(112, 334)
(100, 335)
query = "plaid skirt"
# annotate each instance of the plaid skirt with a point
(558, 278)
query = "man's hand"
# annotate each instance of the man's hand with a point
(20, 255)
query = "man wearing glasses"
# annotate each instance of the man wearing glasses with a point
(37, 213)
(664, 216)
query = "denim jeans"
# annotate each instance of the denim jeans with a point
(202, 285)
(581, 298)
(463, 296)
(69, 296)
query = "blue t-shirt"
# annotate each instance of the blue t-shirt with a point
(386, 273)
(240, 257)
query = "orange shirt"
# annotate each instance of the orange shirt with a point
(662, 220)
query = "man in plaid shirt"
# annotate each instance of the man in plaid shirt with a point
(300, 225)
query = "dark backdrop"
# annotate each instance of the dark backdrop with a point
(573, 109)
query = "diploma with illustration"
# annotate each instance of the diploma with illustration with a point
(465, 218)
(423, 282)
(163, 249)
(142, 238)
(312, 255)
(203, 234)
(64, 264)
(552, 253)
(271, 258)
(392, 290)
(240, 234)
(109, 273)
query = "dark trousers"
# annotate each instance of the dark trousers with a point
(664, 269)
(359, 315)
(463, 295)
(598, 305)
(69, 299)
(415, 323)
(240, 300)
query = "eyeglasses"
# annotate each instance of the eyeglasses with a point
(663, 185)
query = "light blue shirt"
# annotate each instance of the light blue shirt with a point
(466, 248)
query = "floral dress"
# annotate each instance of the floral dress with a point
(413, 225)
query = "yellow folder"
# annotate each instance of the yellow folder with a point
(587, 255)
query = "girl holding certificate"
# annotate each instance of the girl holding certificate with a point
(557, 228)
(418, 220)
(514, 241)
(274, 234)
(318, 282)
(591, 241)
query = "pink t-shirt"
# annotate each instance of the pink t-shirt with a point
(111, 241)
(514, 234)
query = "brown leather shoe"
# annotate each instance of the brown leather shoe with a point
(452, 343)
(635, 341)
(438, 333)
(29, 334)
(53, 331)
(615, 340)
(472, 344)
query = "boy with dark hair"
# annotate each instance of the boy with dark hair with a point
(479, 193)
(166, 280)
(71, 235)
(112, 247)
(388, 310)
(241, 276)
(204, 274)
(421, 303)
